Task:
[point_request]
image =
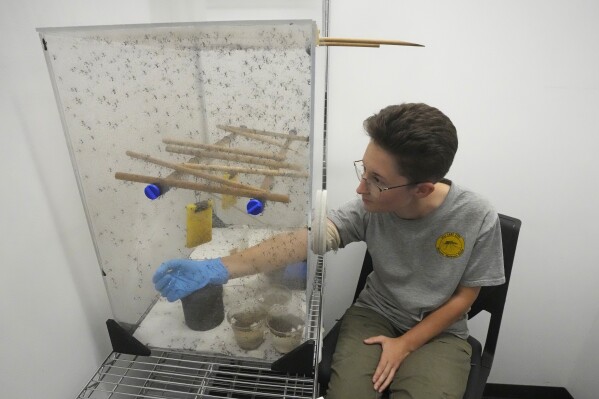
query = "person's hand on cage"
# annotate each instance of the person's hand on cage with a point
(177, 278)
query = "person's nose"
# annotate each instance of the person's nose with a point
(362, 187)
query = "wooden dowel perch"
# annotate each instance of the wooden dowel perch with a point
(252, 153)
(233, 157)
(234, 129)
(202, 187)
(324, 40)
(238, 169)
(190, 171)
(257, 137)
(262, 135)
(348, 44)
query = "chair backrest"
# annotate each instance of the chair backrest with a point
(491, 299)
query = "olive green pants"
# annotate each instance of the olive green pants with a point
(438, 369)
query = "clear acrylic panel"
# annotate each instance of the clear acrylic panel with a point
(205, 117)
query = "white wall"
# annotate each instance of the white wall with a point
(518, 79)
(583, 382)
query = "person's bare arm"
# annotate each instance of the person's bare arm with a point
(278, 251)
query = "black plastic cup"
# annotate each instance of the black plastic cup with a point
(204, 309)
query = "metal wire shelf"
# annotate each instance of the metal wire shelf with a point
(182, 375)
(189, 376)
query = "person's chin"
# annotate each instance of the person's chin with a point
(367, 204)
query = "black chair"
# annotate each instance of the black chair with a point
(491, 299)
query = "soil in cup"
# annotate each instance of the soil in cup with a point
(203, 309)
(287, 331)
(248, 328)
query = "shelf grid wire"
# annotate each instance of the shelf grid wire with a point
(187, 376)
(180, 375)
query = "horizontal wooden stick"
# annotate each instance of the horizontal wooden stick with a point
(232, 157)
(202, 187)
(257, 137)
(238, 169)
(241, 130)
(370, 41)
(239, 151)
(348, 44)
(190, 171)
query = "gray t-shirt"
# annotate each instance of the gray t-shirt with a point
(419, 263)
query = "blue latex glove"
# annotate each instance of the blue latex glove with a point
(296, 271)
(177, 278)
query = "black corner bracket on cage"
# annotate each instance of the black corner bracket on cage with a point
(123, 342)
(299, 361)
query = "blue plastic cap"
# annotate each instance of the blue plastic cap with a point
(152, 191)
(255, 207)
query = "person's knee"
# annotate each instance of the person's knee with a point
(437, 370)
(344, 388)
(354, 362)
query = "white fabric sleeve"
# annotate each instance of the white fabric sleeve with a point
(333, 238)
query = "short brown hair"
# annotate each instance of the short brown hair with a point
(422, 139)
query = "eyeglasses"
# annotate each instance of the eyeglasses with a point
(374, 188)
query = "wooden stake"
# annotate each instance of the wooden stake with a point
(202, 187)
(232, 157)
(190, 171)
(348, 44)
(239, 151)
(238, 169)
(241, 130)
(367, 41)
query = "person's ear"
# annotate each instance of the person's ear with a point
(425, 189)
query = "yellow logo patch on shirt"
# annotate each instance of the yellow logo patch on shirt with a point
(450, 245)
